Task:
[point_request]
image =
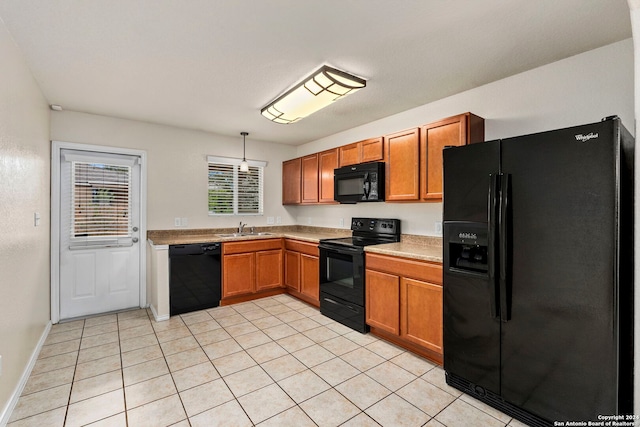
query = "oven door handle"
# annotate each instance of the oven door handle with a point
(342, 250)
(349, 306)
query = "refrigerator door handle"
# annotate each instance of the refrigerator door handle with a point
(504, 247)
(491, 243)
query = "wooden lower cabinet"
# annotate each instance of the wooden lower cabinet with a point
(251, 267)
(421, 308)
(383, 301)
(404, 302)
(238, 273)
(302, 270)
(309, 275)
(268, 269)
(292, 270)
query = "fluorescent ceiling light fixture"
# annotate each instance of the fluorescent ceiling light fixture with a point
(312, 94)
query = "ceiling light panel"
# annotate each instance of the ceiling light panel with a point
(317, 91)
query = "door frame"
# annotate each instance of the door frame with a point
(56, 146)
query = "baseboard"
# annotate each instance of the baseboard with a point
(13, 401)
(155, 314)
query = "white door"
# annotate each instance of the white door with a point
(99, 232)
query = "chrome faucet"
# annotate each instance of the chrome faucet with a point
(241, 227)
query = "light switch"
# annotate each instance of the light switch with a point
(36, 219)
(184, 222)
(279, 220)
(270, 220)
(0, 366)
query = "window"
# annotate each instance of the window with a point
(101, 200)
(233, 192)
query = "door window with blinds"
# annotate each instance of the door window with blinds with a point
(232, 191)
(100, 195)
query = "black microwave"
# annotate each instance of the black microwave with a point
(359, 183)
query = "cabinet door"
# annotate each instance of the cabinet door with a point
(291, 182)
(310, 276)
(403, 166)
(421, 313)
(268, 269)
(434, 137)
(310, 179)
(327, 162)
(383, 301)
(350, 154)
(292, 270)
(238, 272)
(372, 150)
(454, 131)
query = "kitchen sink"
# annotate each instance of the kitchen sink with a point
(244, 234)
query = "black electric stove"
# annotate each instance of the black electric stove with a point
(342, 264)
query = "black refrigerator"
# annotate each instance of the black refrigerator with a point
(538, 273)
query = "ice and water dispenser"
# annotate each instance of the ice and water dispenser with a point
(466, 248)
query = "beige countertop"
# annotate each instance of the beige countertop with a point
(184, 237)
(424, 252)
(424, 248)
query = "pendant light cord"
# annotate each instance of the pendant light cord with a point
(244, 145)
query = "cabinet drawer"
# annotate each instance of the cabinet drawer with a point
(251, 246)
(421, 270)
(302, 247)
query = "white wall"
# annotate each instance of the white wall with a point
(24, 189)
(177, 166)
(577, 90)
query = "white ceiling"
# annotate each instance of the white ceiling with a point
(213, 64)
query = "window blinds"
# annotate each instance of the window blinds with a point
(233, 192)
(100, 200)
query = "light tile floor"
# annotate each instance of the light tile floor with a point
(269, 362)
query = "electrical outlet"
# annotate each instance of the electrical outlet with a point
(176, 222)
(270, 220)
(184, 222)
(438, 228)
(341, 222)
(278, 220)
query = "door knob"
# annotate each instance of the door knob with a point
(134, 240)
(135, 228)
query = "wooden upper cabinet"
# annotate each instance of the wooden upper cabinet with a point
(372, 150)
(453, 131)
(350, 154)
(292, 182)
(368, 150)
(310, 179)
(327, 163)
(403, 165)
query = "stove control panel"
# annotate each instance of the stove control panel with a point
(376, 225)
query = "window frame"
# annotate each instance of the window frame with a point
(235, 163)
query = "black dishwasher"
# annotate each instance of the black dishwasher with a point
(194, 277)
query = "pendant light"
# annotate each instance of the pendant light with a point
(244, 166)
